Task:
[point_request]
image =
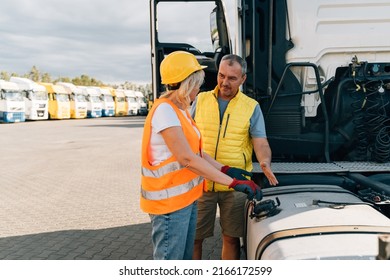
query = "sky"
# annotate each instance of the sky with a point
(105, 39)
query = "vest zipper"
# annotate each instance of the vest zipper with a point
(227, 122)
(216, 149)
(216, 146)
(219, 134)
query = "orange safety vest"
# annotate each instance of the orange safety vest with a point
(169, 186)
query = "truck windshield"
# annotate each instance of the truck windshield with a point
(39, 95)
(131, 99)
(12, 95)
(62, 97)
(81, 98)
(107, 98)
(95, 98)
(190, 29)
(141, 99)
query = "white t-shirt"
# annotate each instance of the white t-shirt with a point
(164, 117)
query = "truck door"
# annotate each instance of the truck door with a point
(198, 27)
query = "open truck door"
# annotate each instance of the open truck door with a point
(206, 36)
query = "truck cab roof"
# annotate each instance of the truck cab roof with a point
(27, 84)
(8, 85)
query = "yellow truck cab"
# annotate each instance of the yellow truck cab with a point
(59, 101)
(120, 102)
(78, 101)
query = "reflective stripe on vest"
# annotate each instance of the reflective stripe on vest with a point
(174, 191)
(170, 167)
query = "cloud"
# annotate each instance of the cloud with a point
(107, 40)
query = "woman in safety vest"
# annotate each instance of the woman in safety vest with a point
(173, 164)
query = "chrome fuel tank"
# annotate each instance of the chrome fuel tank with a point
(312, 222)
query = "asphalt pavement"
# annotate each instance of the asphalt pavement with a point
(69, 190)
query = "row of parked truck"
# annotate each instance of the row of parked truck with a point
(23, 99)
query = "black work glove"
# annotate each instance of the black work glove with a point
(236, 173)
(248, 187)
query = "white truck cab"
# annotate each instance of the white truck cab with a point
(132, 104)
(35, 98)
(12, 107)
(320, 71)
(143, 107)
(94, 104)
(108, 103)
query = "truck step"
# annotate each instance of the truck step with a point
(316, 167)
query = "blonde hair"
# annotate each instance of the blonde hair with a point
(195, 80)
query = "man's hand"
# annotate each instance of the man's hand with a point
(248, 187)
(265, 166)
(236, 173)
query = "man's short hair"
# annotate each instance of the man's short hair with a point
(231, 58)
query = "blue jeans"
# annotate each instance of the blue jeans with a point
(173, 234)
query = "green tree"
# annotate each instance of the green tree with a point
(34, 74)
(84, 80)
(46, 78)
(63, 79)
(76, 81)
(4, 75)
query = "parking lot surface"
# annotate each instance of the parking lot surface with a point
(69, 190)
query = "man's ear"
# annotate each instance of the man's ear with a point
(243, 78)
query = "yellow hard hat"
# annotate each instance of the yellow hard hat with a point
(177, 66)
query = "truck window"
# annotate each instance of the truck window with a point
(13, 95)
(40, 95)
(186, 23)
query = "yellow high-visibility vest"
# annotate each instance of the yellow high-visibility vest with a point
(228, 140)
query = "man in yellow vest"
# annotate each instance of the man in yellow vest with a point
(232, 126)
